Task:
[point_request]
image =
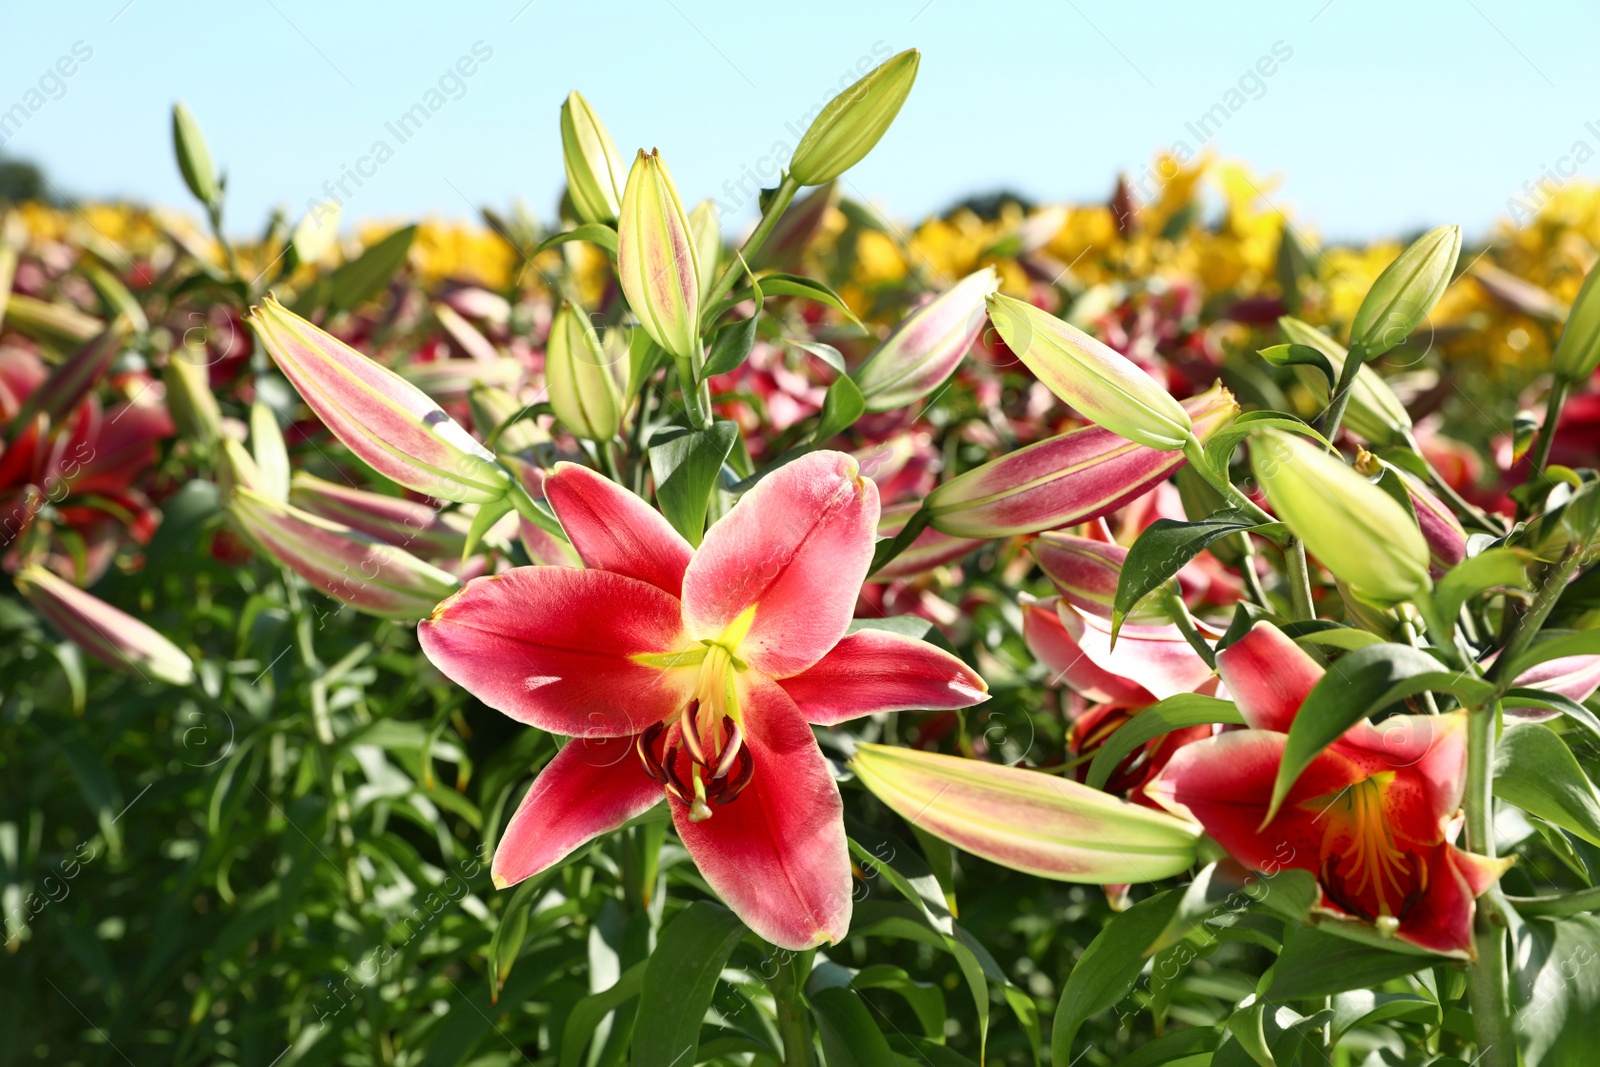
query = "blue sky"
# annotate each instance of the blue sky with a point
(1384, 117)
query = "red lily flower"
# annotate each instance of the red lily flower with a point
(692, 674)
(1373, 817)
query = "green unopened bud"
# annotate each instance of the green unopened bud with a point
(1578, 351)
(189, 397)
(492, 408)
(594, 170)
(1405, 292)
(194, 158)
(1103, 385)
(854, 121)
(656, 263)
(581, 375)
(1355, 529)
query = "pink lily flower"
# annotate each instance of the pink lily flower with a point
(691, 675)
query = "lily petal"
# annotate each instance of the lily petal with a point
(613, 530)
(796, 548)
(1427, 755)
(776, 853)
(1157, 658)
(1057, 648)
(1225, 782)
(1268, 676)
(592, 786)
(1441, 921)
(874, 670)
(551, 647)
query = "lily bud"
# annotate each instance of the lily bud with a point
(656, 263)
(927, 345)
(1447, 540)
(1101, 383)
(194, 159)
(189, 398)
(409, 524)
(364, 572)
(1405, 292)
(1072, 478)
(1041, 824)
(1578, 350)
(111, 636)
(594, 170)
(385, 420)
(797, 227)
(1359, 532)
(236, 469)
(72, 380)
(584, 392)
(1375, 413)
(1085, 572)
(854, 121)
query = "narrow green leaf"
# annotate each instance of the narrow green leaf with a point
(1294, 355)
(685, 464)
(1214, 897)
(827, 353)
(1539, 698)
(587, 1013)
(1356, 686)
(679, 979)
(1248, 1027)
(357, 281)
(597, 233)
(1221, 445)
(1363, 1007)
(780, 284)
(1108, 967)
(1535, 770)
(1173, 713)
(1162, 550)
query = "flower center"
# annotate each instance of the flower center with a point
(700, 756)
(1364, 870)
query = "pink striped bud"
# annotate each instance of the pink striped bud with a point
(111, 636)
(928, 344)
(1078, 476)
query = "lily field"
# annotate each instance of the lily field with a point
(1120, 634)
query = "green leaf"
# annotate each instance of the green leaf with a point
(1363, 1007)
(1221, 445)
(1293, 355)
(364, 277)
(1340, 637)
(1108, 968)
(1356, 686)
(1315, 963)
(1214, 897)
(644, 357)
(1287, 1037)
(1162, 550)
(1535, 770)
(924, 998)
(597, 233)
(849, 1036)
(730, 347)
(1248, 1027)
(1491, 569)
(679, 979)
(841, 407)
(905, 625)
(827, 353)
(587, 1013)
(1173, 713)
(890, 547)
(1539, 698)
(685, 464)
(780, 284)
(1556, 989)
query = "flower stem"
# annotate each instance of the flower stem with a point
(793, 1026)
(1486, 976)
(769, 218)
(1178, 612)
(1333, 414)
(1547, 436)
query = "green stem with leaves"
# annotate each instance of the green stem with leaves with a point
(793, 1025)
(709, 299)
(1547, 434)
